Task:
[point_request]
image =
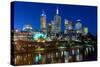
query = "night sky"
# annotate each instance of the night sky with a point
(29, 13)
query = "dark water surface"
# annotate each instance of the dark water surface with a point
(62, 55)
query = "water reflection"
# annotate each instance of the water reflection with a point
(55, 56)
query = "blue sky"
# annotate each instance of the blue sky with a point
(29, 13)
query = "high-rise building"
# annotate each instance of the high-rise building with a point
(70, 25)
(52, 27)
(49, 28)
(43, 21)
(66, 26)
(78, 26)
(27, 27)
(57, 22)
(85, 30)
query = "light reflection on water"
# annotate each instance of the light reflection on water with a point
(55, 56)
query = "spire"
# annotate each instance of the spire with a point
(57, 11)
(43, 13)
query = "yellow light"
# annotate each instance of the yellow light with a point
(38, 40)
(43, 41)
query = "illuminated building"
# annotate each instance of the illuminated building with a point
(52, 26)
(39, 37)
(57, 21)
(78, 26)
(70, 25)
(49, 28)
(32, 47)
(43, 21)
(27, 27)
(23, 35)
(85, 30)
(66, 26)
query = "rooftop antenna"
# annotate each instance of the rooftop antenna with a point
(57, 11)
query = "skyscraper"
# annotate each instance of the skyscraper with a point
(49, 28)
(78, 26)
(66, 26)
(85, 30)
(52, 26)
(57, 21)
(70, 25)
(43, 21)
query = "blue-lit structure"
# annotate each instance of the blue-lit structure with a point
(39, 36)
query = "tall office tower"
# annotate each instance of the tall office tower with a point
(52, 27)
(43, 21)
(57, 21)
(85, 30)
(66, 26)
(27, 27)
(70, 25)
(78, 26)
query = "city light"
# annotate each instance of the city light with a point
(39, 48)
(57, 40)
(39, 37)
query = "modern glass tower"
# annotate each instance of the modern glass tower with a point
(78, 26)
(57, 21)
(66, 26)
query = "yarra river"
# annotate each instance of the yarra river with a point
(57, 55)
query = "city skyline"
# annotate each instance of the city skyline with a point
(44, 33)
(27, 13)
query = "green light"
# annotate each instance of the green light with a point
(39, 35)
(40, 57)
(40, 49)
(36, 58)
